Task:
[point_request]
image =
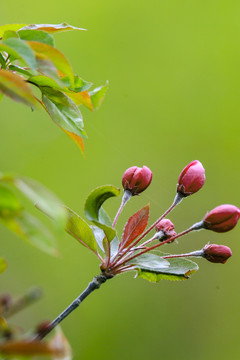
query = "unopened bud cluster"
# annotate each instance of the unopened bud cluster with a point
(191, 179)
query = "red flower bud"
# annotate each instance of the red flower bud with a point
(217, 253)
(136, 179)
(167, 227)
(191, 179)
(223, 218)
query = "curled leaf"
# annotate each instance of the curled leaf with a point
(94, 212)
(51, 28)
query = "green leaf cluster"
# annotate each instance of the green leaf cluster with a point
(97, 237)
(28, 58)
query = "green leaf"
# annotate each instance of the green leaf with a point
(179, 269)
(3, 265)
(79, 84)
(33, 231)
(13, 27)
(10, 51)
(150, 262)
(51, 28)
(63, 111)
(16, 88)
(99, 236)
(23, 50)
(114, 246)
(97, 95)
(42, 198)
(36, 35)
(80, 230)
(81, 98)
(50, 53)
(9, 202)
(10, 34)
(93, 208)
(43, 81)
(96, 198)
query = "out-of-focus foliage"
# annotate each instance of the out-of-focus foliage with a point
(17, 219)
(28, 56)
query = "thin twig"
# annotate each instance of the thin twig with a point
(93, 285)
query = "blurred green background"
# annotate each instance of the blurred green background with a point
(173, 69)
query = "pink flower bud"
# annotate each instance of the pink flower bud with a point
(217, 253)
(223, 218)
(167, 227)
(135, 179)
(191, 179)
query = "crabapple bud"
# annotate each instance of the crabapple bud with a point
(191, 179)
(216, 253)
(166, 228)
(223, 218)
(136, 179)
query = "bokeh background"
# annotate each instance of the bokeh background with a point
(173, 70)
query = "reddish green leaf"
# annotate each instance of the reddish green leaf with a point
(81, 98)
(77, 139)
(50, 28)
(58, 59)
(28, 348)
(13, 27)
(16, 88)
(135, 226)
(46, 67)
